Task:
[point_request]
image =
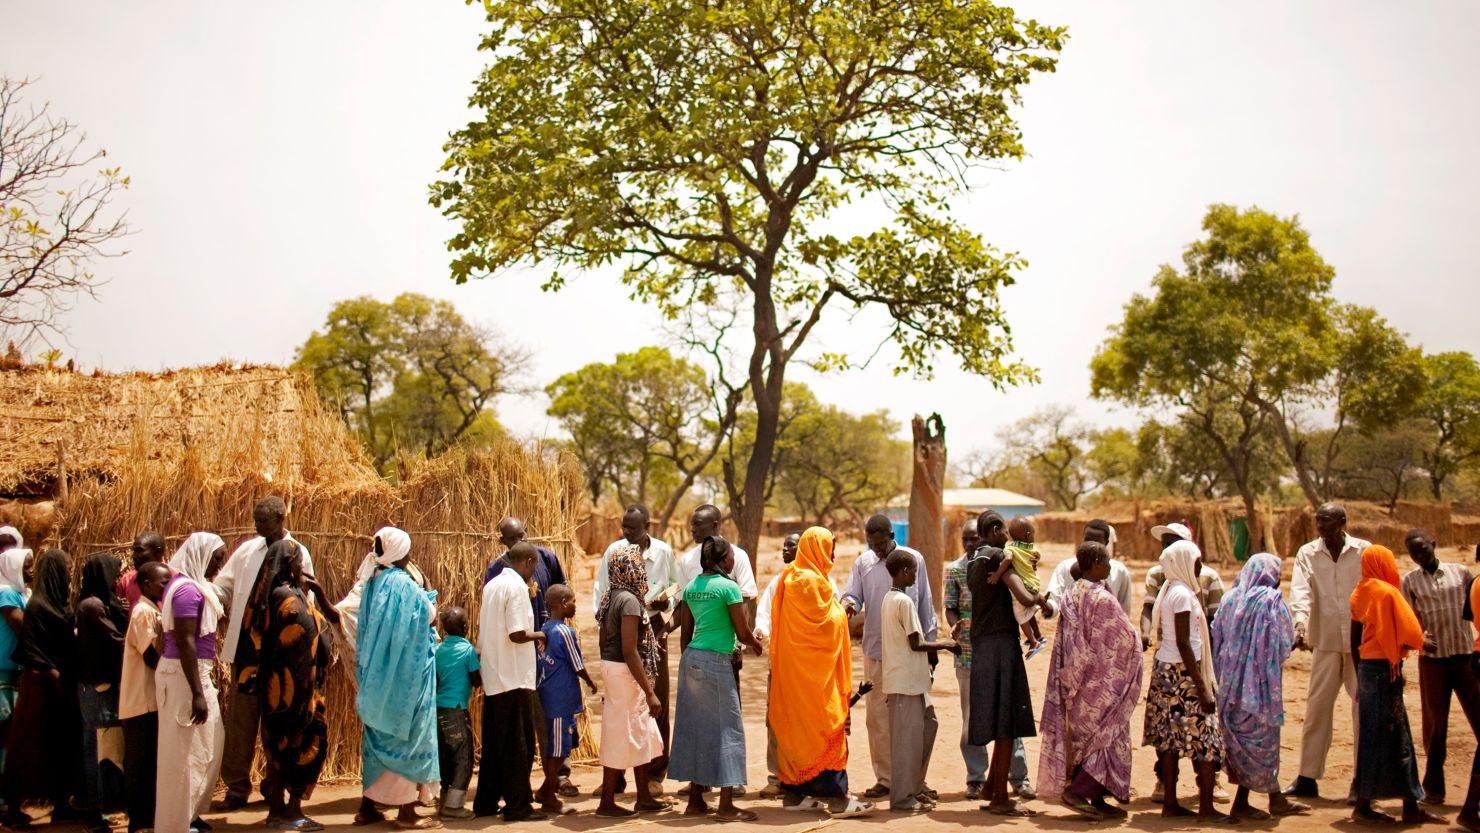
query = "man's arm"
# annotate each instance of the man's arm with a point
(925, 605)
(1300, 597)
(853, 593)
(763, 611)
(598, 587)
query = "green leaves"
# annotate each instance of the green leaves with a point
(409, 375)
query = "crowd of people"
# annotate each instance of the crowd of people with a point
(170, 673)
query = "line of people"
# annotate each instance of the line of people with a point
(132, 668)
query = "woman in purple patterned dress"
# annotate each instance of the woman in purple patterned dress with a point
(1093, 685)
(1252, 638)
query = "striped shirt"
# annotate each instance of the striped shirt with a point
(1211, 593)
(1439, 600)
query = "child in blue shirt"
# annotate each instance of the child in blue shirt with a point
(561, 670)
(457, 674)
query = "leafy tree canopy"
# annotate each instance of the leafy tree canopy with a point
(409, 375)
(704, 147)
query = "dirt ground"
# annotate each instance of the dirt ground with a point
(334, 805)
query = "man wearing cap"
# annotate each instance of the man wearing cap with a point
(1325, 576)
(1210, 593)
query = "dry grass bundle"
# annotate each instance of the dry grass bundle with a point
(195, 449)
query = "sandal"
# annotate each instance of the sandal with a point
(1293, 808)
(1012, 810)
(1081, 806)
(421, 823)
(854, 809)
(740, 815)
(303, 825)
(1250, 813)
(362, 819)
(807, 803)
(658, 806)
(619, 813)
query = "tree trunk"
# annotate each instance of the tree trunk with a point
(1294, 452)
(767, 370)
(927, 505)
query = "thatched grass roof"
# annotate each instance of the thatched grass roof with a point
(240, 421)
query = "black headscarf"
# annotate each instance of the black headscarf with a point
(100, 580)
(47, 640)
(254, 649)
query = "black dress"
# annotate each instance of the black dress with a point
(1001, 703)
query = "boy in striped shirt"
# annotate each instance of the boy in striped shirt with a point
(561, 670)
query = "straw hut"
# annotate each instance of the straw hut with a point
(91, 460)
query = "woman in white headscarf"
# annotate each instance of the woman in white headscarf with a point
(349, 607)
(1181, 702)
(13, 609)
(397, 700)
(190, 729)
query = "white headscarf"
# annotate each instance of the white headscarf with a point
(395, 544)
(20, 540)
(13, 567)
(1179, 562)
(189, 563)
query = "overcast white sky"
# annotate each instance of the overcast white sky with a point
(281, 153)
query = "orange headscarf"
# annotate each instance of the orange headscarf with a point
(1389, 627)
(811, 665)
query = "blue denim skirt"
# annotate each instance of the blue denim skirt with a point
(708, 745)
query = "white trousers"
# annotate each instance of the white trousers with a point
(1330, 672)
(189, 755)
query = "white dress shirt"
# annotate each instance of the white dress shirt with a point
(1321, 593)
(507, 664)
(689, 569)
(237, 577)
(1118, 583)
(662, 571)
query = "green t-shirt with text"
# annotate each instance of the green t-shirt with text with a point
(709, 598)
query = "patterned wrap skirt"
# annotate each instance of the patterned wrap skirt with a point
(1174, 723)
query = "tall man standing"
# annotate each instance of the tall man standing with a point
(1437, 593)
(762, 631)
(235, 582)
(663, 577)
(547, 573)
(958, 616)
(867, 585)
(1326, 574)
(506, 649)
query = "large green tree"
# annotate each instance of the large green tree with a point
(704, 149)
(1450, 409)
(1249, 323)
(646, 424)
(409, 375)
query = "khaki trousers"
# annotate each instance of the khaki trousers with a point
(1330, 672)
(877, 704)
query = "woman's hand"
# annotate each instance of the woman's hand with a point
(199, 709)
(1205, 702)
(756, 648)
(654, 705)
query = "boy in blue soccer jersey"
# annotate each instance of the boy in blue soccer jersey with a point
(560, 666)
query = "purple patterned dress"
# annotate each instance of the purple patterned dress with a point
(1252, 638)
(1094, 683)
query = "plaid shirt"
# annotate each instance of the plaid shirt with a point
(958, 598)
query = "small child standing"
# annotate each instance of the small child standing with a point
(457, 674)
(1023, 560)
(912, 723)
(559, 689)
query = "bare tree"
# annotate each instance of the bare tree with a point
(57, 214)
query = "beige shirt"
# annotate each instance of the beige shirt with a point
(906, 671)
(136, 687)
(1321, 593)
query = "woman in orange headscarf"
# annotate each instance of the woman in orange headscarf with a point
(811, 680)
(1384, 630)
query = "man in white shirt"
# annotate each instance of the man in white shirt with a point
(236, 580)
(1326, 573)
(704, 523)
(867, 585)
(506, 651)
(662, 575)
(1119, 583)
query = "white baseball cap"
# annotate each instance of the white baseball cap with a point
(1179, 530)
